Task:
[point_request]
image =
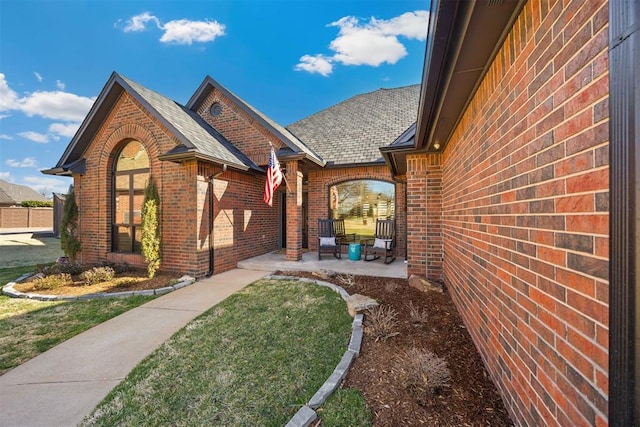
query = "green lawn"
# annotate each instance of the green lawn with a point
(29, 327)
(253, 360)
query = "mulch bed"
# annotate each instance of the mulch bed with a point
(472, 398)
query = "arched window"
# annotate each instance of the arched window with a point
(130, 176)
(360, 203)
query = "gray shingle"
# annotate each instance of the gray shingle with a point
(18, 193)
(352, 131)
(197, 133)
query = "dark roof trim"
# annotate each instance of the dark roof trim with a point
(463, 40)
(178, 155)
(77, 167)
(280, 132)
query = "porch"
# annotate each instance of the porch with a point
(277, 261)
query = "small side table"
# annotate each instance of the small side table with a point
(354, 251)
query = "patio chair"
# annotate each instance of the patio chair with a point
(383, 243)
(327, 241)
(341, 236)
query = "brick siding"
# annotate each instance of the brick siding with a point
(524, 195)
(246, 224)
(19, 217)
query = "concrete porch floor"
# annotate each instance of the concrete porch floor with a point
(277, 261)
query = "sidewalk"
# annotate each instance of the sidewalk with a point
(62, 385)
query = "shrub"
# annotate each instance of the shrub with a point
(49, 269)
(382, 322)
(36, 204)
(417, 315)
(98, 275)
(51, 282)
(151, 228)
(347, 280)
(422, 372)
(69, 241)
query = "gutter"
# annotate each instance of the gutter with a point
(211, 228)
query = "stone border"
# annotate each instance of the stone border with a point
(307, 414)
(11, 292)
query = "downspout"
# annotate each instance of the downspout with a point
(211, 178)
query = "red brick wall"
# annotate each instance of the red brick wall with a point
(320, 180)
(244, 225)
(424, 229)
(239, 128)
(525, 215)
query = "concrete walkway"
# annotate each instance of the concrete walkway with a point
(62, 385)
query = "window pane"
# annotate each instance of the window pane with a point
(360, 203)
(137, 243)
(132, 156)
(122, 207)
(122, 239)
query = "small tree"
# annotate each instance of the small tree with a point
(151, 228)
(69, 241)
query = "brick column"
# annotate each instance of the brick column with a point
(294, 211)
(424, 216)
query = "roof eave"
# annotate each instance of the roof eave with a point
(178, 157)
(464, 39)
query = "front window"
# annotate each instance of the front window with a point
(130, 177)
(360, 203)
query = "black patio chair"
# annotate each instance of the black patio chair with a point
(327, 241)
(383, 243)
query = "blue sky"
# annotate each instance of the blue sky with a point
(287, 58)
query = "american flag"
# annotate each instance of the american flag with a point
(274, 178)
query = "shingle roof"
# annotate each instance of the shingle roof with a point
(353, 131)
(5, 199)
(197, 134)
(18, 193)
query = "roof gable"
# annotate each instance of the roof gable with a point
(197, 138)
(294, 146)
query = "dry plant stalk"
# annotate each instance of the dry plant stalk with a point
(423, 372)
(347, 280)
(417, 315)
(382, 322)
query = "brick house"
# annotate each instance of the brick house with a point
(208, 159)
(526, 107)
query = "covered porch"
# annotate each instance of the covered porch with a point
(277, 260)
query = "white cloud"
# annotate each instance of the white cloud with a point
(315, 64)
(139, 22)
(371, 43)
(63, 129)
(8, 97)
(48, 184)
(6, 176)
(60, 85)
(179, 31)
(5, 136)
(38, 76)
(40, 138)
(183, 31)
(27, 162)
(56, 105)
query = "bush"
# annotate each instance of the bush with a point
(418, 316)
(49, 269)
(98, 275)
(36, 204)
(69, 241)
(151, 228)
(381, 322)
(51, 282)
(423, 373)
